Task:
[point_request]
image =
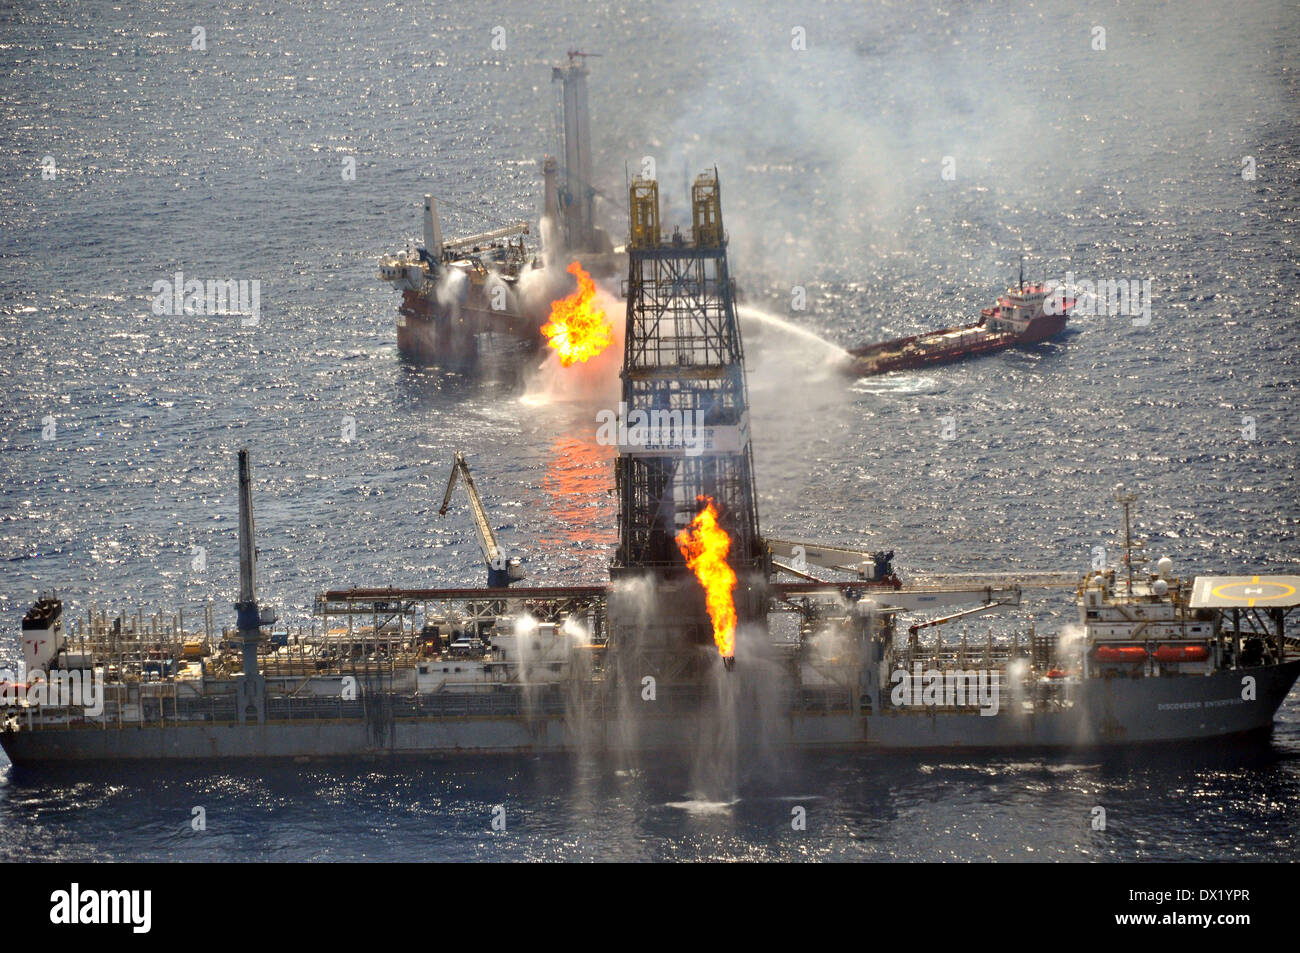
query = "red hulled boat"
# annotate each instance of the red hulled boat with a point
(1025, 314)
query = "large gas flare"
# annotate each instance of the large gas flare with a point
(578, 329)
(706, 545)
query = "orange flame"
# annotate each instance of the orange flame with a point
(578, 328)
(705, 545)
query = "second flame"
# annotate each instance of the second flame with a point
(578, 329)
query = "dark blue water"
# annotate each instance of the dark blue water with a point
(1167, 805)
(1124, 162)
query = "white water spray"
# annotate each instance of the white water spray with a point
(451, 288)
(750, 313)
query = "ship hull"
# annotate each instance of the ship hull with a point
(890, 355)
(948, 346)
(1042, 328)
(1099, 713)
(428, 333)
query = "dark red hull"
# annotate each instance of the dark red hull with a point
(1043, 328)
(946, 346)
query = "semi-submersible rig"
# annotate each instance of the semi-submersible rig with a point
(462, 297)
(636, 663)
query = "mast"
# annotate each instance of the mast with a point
(432, 231)
(1127, 499)
(250, 688)
(250, 621)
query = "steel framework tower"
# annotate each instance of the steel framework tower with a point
(684, 382)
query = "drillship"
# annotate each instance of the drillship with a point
(706, 633)
(1025, 314)
(489, 290)
(1160, 659)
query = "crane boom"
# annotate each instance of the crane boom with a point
(862, 563)
(1023, 580)
(953, 617)
(501, 571)
(798, 556)
(485, 238)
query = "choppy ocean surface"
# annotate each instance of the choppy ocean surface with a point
(1122, 162)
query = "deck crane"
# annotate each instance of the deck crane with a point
(873, 567)
(993, 590)
(502, 569)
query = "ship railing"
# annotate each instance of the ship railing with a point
(127, 642)
(957, 656)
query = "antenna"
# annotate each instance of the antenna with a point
(1127, 499)
(1022, 272)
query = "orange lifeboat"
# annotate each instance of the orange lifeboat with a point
(1121, 653)
(1181, 653)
